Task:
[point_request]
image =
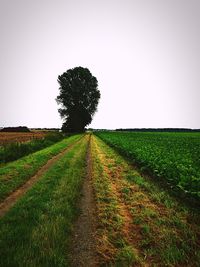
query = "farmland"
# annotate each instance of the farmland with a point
(139, 222)
(173, 156)
(82, 202)
(12, 137)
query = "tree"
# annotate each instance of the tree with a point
(79, 97)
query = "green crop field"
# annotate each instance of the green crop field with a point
(87, 201)
(172, 156)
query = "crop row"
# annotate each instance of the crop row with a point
(174, 156)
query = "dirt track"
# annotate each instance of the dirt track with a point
(83, 249)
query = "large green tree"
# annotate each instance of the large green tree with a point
(79, 97)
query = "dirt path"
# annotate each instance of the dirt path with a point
(83, 248)
(14, 196)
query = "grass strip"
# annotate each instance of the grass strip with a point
(113, 246)
(14, 174)
(36, 231)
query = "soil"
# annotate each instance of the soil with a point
(83, 245)
(14, 196)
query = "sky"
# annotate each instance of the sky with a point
(144, 53)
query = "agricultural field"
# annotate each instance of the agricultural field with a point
(173, 156)
(12, 137)
(79, 202)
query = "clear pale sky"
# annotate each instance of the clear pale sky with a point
(145, 55)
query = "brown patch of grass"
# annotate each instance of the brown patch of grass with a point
(116, 225)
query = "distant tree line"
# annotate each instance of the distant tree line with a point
(23, 129)
(158, 130)
(45, 129)
(16, 129)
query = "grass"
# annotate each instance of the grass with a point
(126, 257)
(167, 227)
(162, 232)
(113, 247)
(36, 231)
(14, 174)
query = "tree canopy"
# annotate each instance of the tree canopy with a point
(79, 97)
